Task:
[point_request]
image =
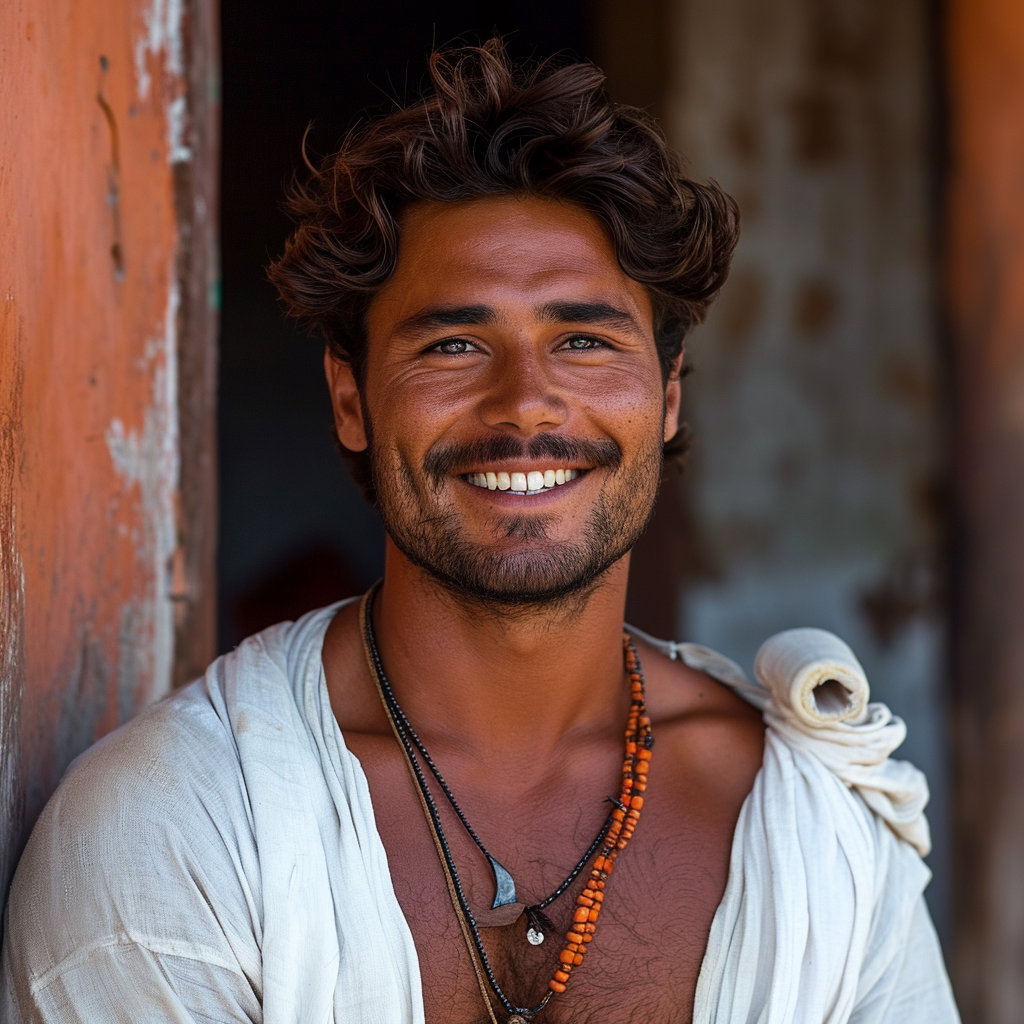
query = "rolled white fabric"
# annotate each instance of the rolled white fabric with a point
(819, 701)
(815, 675)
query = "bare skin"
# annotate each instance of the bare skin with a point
(524, 708)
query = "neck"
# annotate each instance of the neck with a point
(497, 681)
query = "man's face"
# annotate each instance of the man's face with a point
(513, 400)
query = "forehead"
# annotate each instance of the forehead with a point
(507, 252)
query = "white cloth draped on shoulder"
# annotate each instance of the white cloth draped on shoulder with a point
(823, 919)
(217, 860)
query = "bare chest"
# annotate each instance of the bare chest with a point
(645, 957)
(646, 954)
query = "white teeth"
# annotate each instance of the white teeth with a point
(523, 483)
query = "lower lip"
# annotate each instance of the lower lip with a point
(511, 498)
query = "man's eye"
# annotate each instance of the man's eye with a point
(583, 342)
(454, 347)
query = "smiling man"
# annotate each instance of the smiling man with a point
(444, 801)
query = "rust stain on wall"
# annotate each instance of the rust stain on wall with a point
(93, 124)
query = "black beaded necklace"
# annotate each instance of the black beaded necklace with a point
(538, 925)
(504, 886)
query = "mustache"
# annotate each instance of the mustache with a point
(443, 460)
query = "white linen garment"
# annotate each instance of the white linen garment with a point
(216, 860)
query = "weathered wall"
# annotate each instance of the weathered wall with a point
(816, 472)
(985, 289)
(97, 127)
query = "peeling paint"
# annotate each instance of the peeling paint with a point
(149, 459)
(177, 123)
(162, 38)
(93, 506)
(162, 34)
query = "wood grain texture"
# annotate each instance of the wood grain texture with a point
(194, 585)
(985, 294)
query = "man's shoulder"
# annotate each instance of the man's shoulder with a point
(146, 844)
(713, 733)
(186, 745)
(183, 753)
(152, 773)
(156, 777)
(704, 690)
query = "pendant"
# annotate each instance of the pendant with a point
(504, 887)
(538, 924)
(517, 1018)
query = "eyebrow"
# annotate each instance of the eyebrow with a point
(447, 316)
(562, 312)
(589, 313)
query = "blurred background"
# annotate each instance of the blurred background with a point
(168, 483)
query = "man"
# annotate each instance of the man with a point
(420, 805)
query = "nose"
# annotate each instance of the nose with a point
(521, 397)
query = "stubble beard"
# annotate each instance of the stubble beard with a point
(537, 572)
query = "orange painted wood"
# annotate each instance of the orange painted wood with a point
(984, 278)
(95, 130)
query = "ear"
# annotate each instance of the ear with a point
(348, 408)
(673, 397)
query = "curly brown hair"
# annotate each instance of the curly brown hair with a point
(489, 127)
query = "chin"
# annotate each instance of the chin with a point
(520, 579)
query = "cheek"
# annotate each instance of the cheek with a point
(627, 404)
(409, 417)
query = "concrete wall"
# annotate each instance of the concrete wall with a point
(107, 224)
(815, 490)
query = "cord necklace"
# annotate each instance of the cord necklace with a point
(537, 924)
(612, 839)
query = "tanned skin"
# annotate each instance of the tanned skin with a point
(523, 708)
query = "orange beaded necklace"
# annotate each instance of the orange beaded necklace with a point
(639, 742)
(613, 838)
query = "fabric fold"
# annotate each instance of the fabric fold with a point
(820, 700)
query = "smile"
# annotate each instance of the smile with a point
(533, 482)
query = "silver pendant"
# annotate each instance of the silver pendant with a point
(504, 887)
(517, 1018)
(537, 926)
